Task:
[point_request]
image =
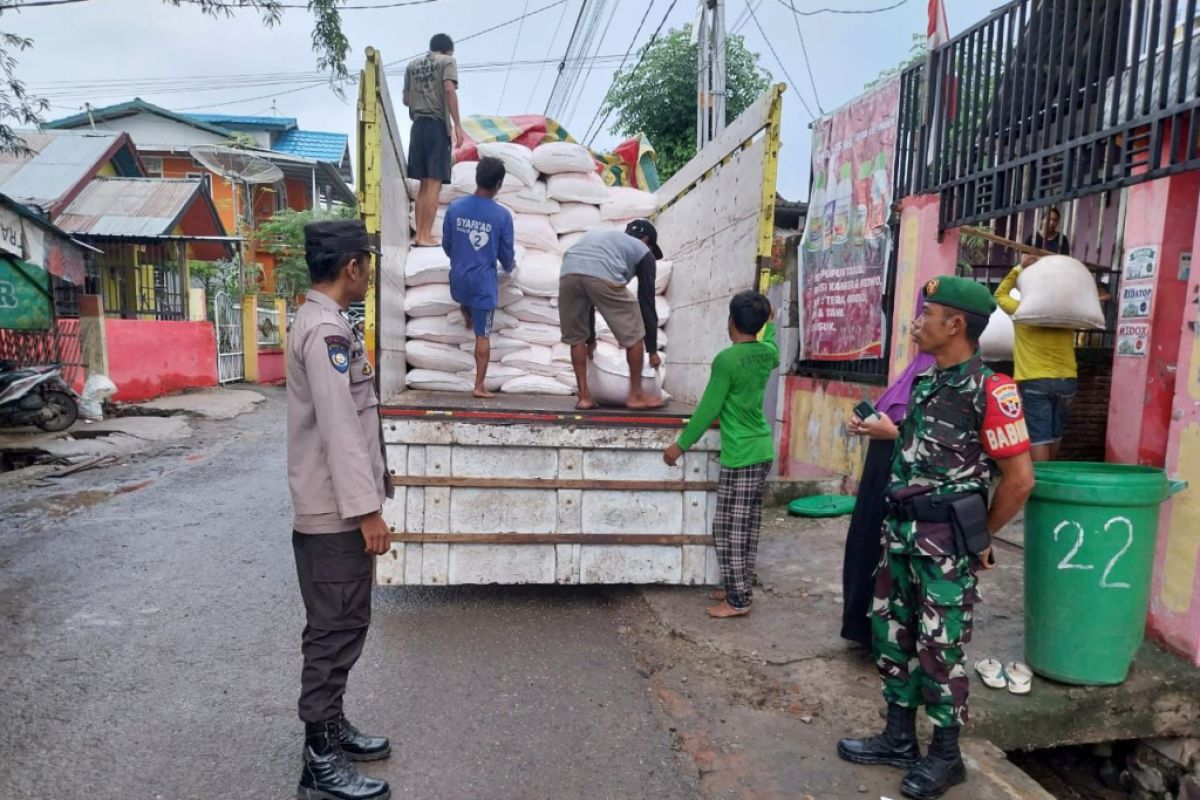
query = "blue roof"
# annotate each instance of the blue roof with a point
(229, 120)
(318, 145)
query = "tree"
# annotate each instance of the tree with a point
(283, 237)
(657, 97)
(916, 52)
(18, 108)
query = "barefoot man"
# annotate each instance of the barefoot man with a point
(431, 94)
(476, 233)
(594, 275)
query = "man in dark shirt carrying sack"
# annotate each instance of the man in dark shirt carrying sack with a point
(431, 94)
(964, 422)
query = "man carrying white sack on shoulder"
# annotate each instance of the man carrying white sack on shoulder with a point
(1043, 358)
(595, 274)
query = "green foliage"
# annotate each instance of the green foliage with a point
(18, 109)
(658, 96)
(283, 237)
(213, 277)
(916, 52)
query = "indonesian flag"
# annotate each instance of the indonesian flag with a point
(938, 30)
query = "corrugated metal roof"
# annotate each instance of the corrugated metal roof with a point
(62, 160)
(128, 206)
(231, 120)
(318, 145)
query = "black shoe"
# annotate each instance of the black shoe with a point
(937, 772)
(895, 747)
(358, 747)
(328, 775)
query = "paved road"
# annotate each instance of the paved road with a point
(149, 630)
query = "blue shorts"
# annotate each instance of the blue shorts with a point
(1045, 401)
(480, 319)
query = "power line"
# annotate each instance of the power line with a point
(485, 31)
(38, 4)
(549, 50)
(743, 18)
(511, 58)
(779, 61)
(558, 78)
(569, 98)
(592, 64)
(629, 50)
(641, 58)
(804, 50)
(246, 5)
(851, 11)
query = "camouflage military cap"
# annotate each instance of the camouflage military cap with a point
(963, 294)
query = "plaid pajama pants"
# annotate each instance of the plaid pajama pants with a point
(736, 526)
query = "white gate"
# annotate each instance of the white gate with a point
(227, 320)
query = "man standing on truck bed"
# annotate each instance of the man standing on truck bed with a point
(338, 478)
(431, 94)
(595, 272)
(476, 233)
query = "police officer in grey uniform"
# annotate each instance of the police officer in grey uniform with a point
(339, 480)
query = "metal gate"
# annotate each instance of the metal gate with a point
(227, 320)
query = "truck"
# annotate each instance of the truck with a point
(524, 489)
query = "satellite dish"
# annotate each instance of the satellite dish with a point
(235, 164)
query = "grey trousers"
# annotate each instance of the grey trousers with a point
(334, 571)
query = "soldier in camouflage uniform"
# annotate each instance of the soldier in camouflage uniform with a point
(964, 422)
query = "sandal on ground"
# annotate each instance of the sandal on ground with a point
(991, 672)
(725, 611)
(1020, 678)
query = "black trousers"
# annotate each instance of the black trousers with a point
(334, 570)
(864, 543)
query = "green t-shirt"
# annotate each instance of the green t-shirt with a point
(734, 396)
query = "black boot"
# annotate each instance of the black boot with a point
(896, 746)
(358, 747)
(327, 775)
(937, 772)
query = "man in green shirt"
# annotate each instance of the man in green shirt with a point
(734, 396)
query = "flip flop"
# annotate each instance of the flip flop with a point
(1020, 678)
(991, 672)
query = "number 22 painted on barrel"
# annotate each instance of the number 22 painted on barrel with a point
(1067, 562)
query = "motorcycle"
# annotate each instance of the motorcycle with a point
(37, 396)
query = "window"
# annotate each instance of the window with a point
(205, 179)
(154, 166)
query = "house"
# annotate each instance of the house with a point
(315, 165)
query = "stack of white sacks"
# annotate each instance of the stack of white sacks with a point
(555, 196)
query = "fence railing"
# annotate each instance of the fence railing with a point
(1045, 100)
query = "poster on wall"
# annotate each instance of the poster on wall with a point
(846, 240)
(1137, 300)
(1133, 339)
(1141, 262)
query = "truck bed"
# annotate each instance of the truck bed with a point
(508, 408)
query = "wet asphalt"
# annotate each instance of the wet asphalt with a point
(149, 648)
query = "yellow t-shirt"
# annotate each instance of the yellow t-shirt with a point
(1037, 352)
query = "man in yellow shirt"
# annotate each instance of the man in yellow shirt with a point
(1046, 372)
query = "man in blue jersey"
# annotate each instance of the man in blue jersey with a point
(478, 232)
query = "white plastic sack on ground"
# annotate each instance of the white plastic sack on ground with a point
(608, 379)
(434, 380)
(437, 356)
(429, 300)
(625, 203)
(568, 241)
(517, 158)
(534, 359)
(535, 309)
(575, 217)
(535, 232)
(502, 345)
(535, 384)
(497, 374)
(538, 273)
(529, 200)
(96, 389)
(442, 329)
(1059, 292)
(426, 265)
(536, 333)
(996, 344)
(610, 352)
(555, 157)
(577, 187)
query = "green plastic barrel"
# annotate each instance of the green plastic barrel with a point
(1090, 532)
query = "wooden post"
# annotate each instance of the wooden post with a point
(250, 336)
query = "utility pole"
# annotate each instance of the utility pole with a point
(709, 35)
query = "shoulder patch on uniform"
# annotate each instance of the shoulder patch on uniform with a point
(1008, 399)
(339, 352)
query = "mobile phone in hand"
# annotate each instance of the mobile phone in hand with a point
(866, 412)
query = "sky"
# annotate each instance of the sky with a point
(107, 51)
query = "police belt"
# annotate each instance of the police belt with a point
(925, 507)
